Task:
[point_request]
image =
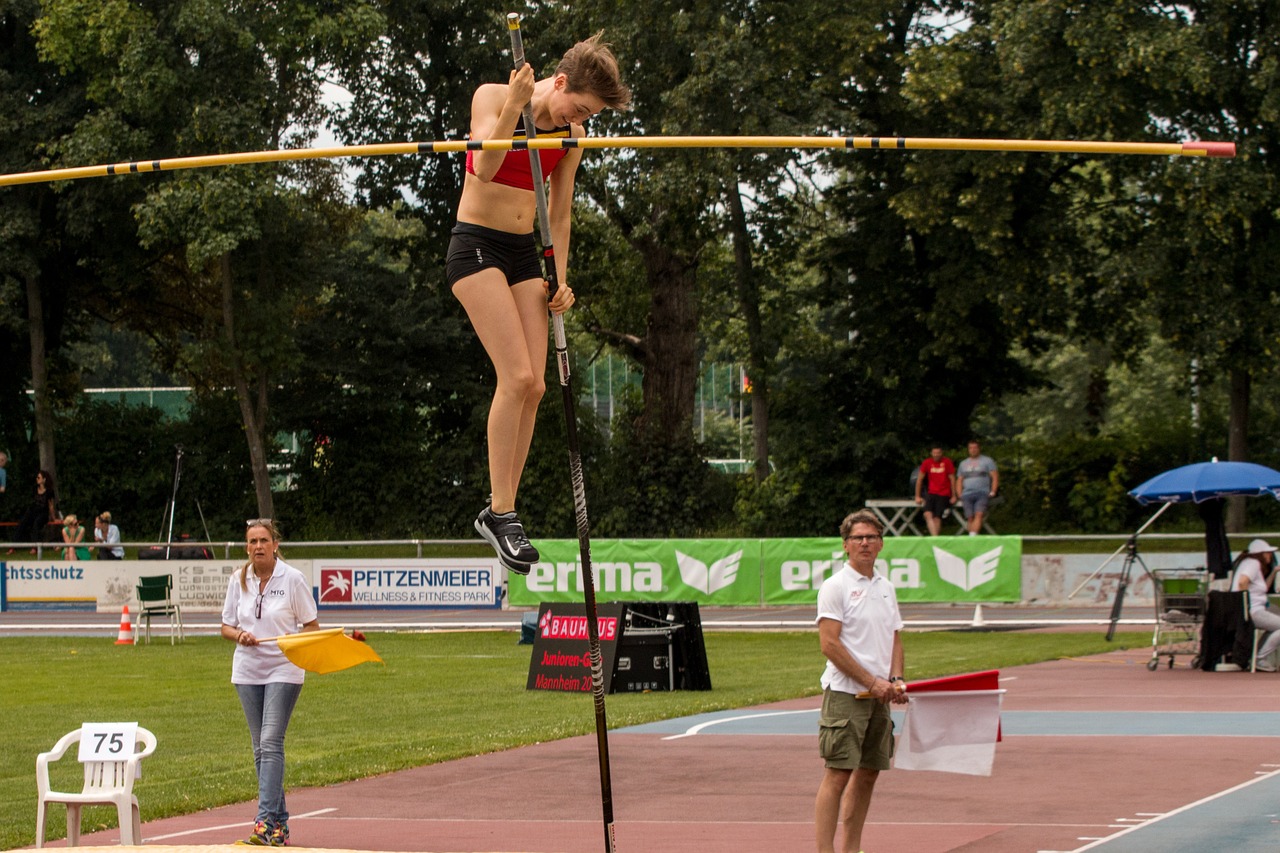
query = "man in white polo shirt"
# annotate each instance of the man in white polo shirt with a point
(858, 625)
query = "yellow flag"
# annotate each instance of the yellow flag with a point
(327, 650)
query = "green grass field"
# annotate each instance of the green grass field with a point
(439, 697)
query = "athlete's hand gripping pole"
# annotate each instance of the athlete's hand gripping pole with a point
(575, 458)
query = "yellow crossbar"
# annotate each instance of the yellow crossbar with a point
(895, 143)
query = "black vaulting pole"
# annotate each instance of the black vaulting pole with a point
(575, 458)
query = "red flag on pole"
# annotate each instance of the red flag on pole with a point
(952, 724)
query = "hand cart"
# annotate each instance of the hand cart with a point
(1181, 601)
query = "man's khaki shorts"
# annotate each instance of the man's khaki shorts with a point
(854, 733)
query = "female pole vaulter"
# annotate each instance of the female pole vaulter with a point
(492, 262)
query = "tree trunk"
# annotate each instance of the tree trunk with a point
(757, 357)
(1238, 441)
(253, 401)
(40, 377)
(669, 387)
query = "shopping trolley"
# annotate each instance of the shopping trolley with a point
(1181, 599)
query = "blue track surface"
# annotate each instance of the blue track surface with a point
(1245, 819)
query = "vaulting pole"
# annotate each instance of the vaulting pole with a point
(575, 458)
(872, 143)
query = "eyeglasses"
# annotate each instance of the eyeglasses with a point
(861, 539)
(257, 522)
(257, 612)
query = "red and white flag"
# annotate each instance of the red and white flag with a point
(952, 725)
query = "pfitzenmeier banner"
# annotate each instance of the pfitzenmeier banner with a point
(770, 571)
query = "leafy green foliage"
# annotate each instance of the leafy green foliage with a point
(883, 300)
(385, 394)
(139, 441)
(659, 491)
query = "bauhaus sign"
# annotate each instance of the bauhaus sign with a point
(561, 659)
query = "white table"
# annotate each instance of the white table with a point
(898, 515)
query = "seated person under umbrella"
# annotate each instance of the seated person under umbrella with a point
(1255, 575)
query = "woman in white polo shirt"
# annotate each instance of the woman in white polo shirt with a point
(267, 598)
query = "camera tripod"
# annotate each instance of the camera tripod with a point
(1126, 571)
(1131, 556)
(173, 505)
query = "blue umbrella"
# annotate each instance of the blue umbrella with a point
(1208, 480)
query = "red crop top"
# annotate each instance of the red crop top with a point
(515, 171)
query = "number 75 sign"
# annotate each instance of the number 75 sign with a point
(107, 741)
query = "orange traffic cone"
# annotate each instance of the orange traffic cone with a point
(125, 637)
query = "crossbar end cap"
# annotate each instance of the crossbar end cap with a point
(1212, 149)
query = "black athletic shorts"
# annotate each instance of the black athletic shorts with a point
(473, 248)
(936, 505)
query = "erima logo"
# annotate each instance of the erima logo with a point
(696, 574)
(955, 571)
(547, 576)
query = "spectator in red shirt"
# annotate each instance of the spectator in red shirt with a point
(940, 474)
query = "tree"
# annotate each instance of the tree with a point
(188, 77)
(1216, 224)
(1165, 233)
(908, 333)
(754, 75)
(383, 399)
(40, 277)
(415, 82)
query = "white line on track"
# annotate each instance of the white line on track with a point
(693, 730)
(204, 829)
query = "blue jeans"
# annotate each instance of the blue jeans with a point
(267, 708)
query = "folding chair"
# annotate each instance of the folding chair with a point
(155, 598)
(106, 782)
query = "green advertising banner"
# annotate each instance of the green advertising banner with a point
(708, 571)
(921, 568)
(770, 571)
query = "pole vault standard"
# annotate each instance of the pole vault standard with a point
(855, 143)
(575, 458)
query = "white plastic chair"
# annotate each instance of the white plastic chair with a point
(105, 783)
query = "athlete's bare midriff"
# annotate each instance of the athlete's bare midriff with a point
(497, 206)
